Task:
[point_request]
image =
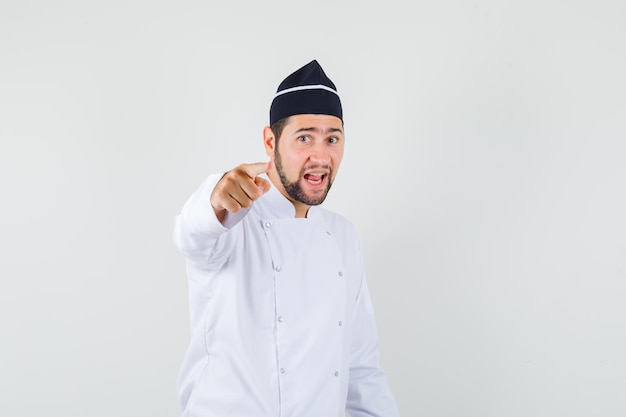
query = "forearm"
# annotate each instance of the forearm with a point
(196, 227)
(368, 392)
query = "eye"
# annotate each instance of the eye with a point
(333, 140)
(304, 139)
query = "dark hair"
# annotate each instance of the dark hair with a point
(277, 128)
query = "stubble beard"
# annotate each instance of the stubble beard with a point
(294, 189)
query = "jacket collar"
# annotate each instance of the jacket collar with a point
(279, 207)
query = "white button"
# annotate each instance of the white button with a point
(340, 273)
(340, 323)
(282, 370)
(268, 224)
(281, 319)
(277, 269)
(336, 373)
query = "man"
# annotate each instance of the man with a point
(282, 321)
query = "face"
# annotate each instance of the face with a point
(307, 156)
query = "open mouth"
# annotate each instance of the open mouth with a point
(314, 178)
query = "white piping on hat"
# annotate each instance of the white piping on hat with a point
(306, 87)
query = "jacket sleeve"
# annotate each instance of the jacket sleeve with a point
(198, 233)
(368, 392)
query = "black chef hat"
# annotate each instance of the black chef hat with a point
(306, 91)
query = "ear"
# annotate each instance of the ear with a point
(269, 141)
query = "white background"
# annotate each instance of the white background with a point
(484, 170)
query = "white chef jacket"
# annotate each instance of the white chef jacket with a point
(281, 319)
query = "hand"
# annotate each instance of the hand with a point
(239, 188)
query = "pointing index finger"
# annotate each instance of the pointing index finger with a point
(256, 169)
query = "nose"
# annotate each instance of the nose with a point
(320, 155)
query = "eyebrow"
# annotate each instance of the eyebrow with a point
(317, 130)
